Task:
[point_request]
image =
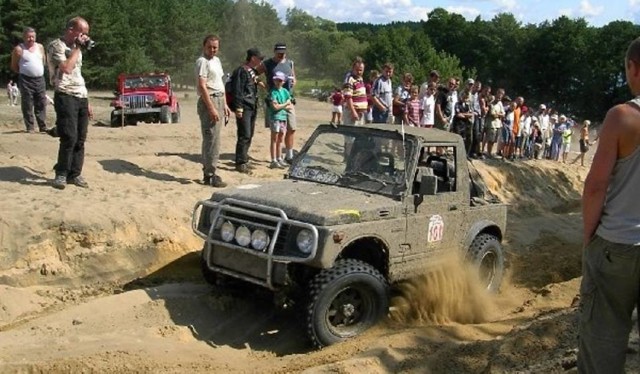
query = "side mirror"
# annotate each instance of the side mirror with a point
(428, 185)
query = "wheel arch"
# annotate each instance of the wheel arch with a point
(370, 249)
(482, 227)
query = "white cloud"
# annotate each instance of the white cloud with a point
(284, 4)
(505, 6)
(589, 10)
(634, 3)
(469, 13)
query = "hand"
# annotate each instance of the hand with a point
(90, 109)
(239, 114)
(227, 111)
(213, 114)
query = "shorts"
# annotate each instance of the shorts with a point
(584, 147)
(291, 119)
(565, 147)
(492, 135)
(349, 120)
(279, 126)
(336, 109)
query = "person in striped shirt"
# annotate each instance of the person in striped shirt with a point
(412, 107)
(355, 94)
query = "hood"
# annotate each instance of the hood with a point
(315, 203)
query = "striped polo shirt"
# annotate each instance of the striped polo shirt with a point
(354, 88)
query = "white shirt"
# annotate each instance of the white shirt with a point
(212, 71)
(427, 105)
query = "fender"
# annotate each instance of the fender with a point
(478, 227)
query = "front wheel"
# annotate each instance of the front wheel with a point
(116, 120)
(345, 300)
(487, 255)
(165, 114)
(175, 117)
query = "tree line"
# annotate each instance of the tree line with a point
(565, 63)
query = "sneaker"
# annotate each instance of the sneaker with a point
(335, 125)
(60, 182)
(275, 165)
(78, 181)
(43, 130)
(284, 164)
(214, 181)
(288, 160)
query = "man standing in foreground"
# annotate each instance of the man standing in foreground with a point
(279, 62)
(28, 59)
(212, 107)
(70, 101)
(245, 105)
(611, 260)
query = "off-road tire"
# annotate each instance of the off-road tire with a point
(165, 114)
(116, 120)
(209, 276)
(352, 286)
(175, 117)
(487, 255)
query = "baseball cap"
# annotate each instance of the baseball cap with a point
(554, 116)
(470, 81)
(254, 52)
(280, 47)
(543, 107)
(434, 72)
(280, 76)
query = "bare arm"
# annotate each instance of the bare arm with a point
(15, 57)
(206, 99)
(597, 182)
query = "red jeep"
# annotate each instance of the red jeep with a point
(145, 97)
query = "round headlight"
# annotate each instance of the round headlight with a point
(259, 240)
(243, 236)
(305, 241)
(227, 231)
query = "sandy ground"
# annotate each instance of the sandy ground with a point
(107, 279)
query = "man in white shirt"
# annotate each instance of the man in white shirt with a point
(212, 107)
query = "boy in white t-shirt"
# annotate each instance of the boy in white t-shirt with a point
(427, 106)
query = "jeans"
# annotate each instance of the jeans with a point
(476, 142)
(379, 116)
(72, 122)
(246, 127)
(33, 99)
(210, 134)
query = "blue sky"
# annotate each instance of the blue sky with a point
(596, 12)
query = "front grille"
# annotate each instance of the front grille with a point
(135, 101)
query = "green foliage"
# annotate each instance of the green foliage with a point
(565, 63)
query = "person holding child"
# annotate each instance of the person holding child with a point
(281, 105)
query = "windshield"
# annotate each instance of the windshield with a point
(145, 82)
(356, 159)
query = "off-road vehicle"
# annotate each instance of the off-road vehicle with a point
(360, 208)
(146, 98)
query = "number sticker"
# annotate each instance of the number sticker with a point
(436, 229)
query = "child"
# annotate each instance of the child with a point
(412, 107)
(566, 142)
(336, 110)
(427, 107)
(280, 105)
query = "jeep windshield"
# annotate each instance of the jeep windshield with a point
(135, 83)
(358, 158)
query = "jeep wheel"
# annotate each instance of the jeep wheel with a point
(116, 120)
(208, 275)
(487, 255)
(345, 300)
(165, 114)
(175, 117)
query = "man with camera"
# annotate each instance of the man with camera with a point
(71, 102)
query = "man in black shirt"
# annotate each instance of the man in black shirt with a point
(244, 88)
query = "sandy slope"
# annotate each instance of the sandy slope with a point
(107, 279)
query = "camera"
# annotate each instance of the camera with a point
(87, 44)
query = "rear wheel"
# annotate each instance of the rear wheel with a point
(487, 255)
(165, 114)
(345, 300)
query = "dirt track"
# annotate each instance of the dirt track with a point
(107, 279)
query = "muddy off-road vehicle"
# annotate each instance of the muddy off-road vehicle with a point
(145, 98)
(360, 208)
